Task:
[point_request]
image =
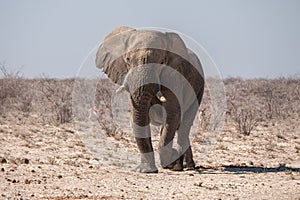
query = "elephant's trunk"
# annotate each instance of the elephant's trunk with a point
(141, 104)
(143, 84)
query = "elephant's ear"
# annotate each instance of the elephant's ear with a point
(179, 55)
(194, 60)
(177, 51)
(110, 54)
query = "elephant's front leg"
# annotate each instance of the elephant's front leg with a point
(143, 139)
(147, 164)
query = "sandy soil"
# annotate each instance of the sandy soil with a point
(40, 161)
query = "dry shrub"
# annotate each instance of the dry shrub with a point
(92, 101)
(244, 119)
(103, 109)
(49, 99)
(83, 98)
(58, 94)
(15, 93)
(248, 101)
(243, 105)
(251, 101)
(280, 97)
(213, 106)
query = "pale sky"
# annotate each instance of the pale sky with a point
(247, 39)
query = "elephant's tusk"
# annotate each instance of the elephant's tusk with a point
(161, 97)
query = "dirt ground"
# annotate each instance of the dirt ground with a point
(41, 161)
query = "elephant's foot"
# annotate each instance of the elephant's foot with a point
(168, 157)
(189, 165)
(177, 165)
(147, 163)
(167, 163)
(145, 168)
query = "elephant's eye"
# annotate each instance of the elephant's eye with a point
(128, 59)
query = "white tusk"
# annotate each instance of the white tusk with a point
(120, 89)
(160, 97)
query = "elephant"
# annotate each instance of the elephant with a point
(165, 81)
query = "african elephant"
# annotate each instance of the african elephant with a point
(165, 81)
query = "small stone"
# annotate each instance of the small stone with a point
(2, 169)
(3, 161)
(259, 165)
(25, 161)
(59, 176)
(198, 184)
(251, 163)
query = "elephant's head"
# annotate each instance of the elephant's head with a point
(125, 49)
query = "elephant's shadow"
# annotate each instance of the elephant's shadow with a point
(235, 169)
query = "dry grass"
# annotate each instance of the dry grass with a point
(249, 102)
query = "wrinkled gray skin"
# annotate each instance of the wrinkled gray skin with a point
(165, 81)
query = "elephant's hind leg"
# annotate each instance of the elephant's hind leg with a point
(184, 147)
(188, 159)
(183, 135)
(169, 156)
